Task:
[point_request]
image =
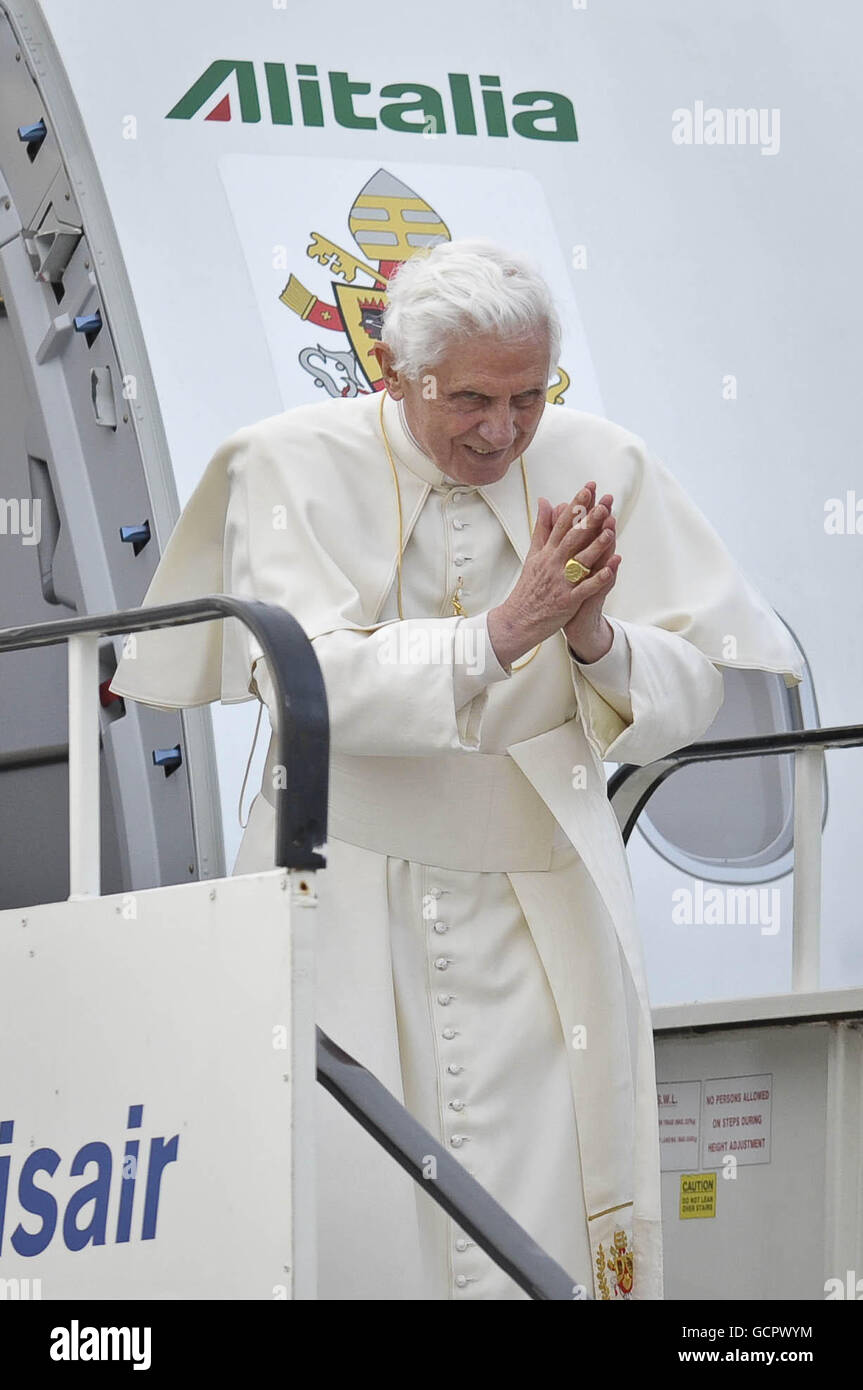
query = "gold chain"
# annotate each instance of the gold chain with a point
(529, 659)
(456, 601)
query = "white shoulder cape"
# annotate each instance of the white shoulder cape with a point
(309, 494)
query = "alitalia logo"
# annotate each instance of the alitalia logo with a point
(466, 105)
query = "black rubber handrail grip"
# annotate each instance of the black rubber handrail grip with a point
(452, 1186)
(303, 741)
(631, 787)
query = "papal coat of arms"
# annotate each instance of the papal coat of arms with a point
(621, 1265)
(389, 223)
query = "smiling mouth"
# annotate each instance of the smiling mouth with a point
(483, 452)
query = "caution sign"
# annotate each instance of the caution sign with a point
(697, 1195)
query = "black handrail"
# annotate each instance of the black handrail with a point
(303, 725)
(301, 827)
(631, 787)
(446, 1181)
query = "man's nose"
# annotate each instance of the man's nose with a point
(498, 428)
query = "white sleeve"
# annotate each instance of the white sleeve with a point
(407, 689)
(610, 675)
(480, 668)
(675, 692)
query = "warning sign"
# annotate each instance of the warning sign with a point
(735, 1119)
(679, 1124)
(697, 1195)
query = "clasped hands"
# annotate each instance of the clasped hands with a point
(543, 600)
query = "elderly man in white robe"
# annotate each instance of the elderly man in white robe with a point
(482, 654)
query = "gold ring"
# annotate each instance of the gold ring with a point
(575, 571)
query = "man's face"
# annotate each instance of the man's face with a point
(478, 407)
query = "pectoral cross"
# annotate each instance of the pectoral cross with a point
(457, 609)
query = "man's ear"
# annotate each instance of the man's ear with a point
(392, 380)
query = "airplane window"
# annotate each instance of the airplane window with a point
(733, 822)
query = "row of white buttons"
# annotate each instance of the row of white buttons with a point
(452, 1068)
(459, 525)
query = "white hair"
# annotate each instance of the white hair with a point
(460, 288)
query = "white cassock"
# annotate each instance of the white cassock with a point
(476, 946)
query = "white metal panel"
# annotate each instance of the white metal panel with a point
(843, 1254)
(801, 1006)
(178, 1000)
(781, 1227)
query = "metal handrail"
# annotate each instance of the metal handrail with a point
(301, 828)
(303, 739)
(441, 1176)
(631, 787)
